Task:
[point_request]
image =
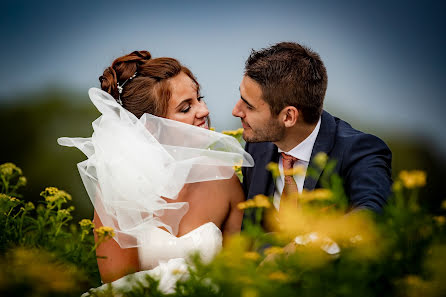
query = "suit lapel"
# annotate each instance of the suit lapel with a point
(324, 143)
(262, 179)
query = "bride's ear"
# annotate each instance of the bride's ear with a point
(289, 116)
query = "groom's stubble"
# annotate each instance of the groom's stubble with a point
(270, 131)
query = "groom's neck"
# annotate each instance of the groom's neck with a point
(294, 136)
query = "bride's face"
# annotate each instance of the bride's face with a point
(185, 104)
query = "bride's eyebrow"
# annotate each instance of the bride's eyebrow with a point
(188, 100)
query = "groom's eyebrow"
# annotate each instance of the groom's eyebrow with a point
(244, 100)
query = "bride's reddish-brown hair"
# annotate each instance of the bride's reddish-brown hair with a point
(149, 91)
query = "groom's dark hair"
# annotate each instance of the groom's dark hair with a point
(290, 74)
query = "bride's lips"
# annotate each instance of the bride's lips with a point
(203, 125)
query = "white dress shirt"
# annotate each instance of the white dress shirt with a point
(303, 153)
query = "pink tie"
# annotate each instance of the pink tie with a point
(290, 191)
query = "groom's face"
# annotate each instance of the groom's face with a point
(258, 123)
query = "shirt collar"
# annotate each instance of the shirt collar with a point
(303, 150)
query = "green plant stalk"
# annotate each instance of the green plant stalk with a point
(5, 186)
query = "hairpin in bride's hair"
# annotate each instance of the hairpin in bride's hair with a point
(121, 86)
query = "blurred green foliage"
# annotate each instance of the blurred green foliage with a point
(30, 125)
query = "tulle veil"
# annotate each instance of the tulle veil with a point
(131, 163)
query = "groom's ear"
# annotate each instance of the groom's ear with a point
(289, 115)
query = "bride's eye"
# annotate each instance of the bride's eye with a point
(186, 109)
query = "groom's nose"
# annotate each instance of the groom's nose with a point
(237, 112)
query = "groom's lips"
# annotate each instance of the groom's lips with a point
(245, 125)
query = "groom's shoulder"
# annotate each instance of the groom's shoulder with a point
(350, 138)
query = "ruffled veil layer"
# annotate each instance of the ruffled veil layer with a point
(133, 162)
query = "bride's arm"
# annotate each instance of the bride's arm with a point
(233, 223)
(118, 262)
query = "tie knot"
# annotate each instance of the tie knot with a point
(288, 161)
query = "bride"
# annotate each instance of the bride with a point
(155, 172)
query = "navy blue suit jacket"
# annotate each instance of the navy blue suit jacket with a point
(363, 162)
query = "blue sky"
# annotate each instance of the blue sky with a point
(385, 61)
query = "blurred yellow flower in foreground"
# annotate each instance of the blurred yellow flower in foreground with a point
(274, 250)
(239, 131)
(320, 159)
(105, 233)
(443, 204)
(274, 168)
(249, 292)
(298, 170)
(355, 229)
(440, 220)
(38, 269)
(254, 256)
(413, 179)
(317, 194)
(278, 276)
(258, 201)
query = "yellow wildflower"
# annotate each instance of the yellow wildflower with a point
(13, 199)
(29, 206)
(178, 271)
(413, 179)
(278, 275)
(443, 204)
(63, 213)
(274, 168)
(254, 256)
(321, 159)
(212, 128)
(249, 292)
(247, 204)
(298, 170)
(43, 272)
(237, 132)
(317, 194)
(105, 232)
(52, 194)
(86, 224)
(8, 169)
(22, 181)
(262, 201)
(274, 250)
(440, 220)
(257, 201)
(397, 186)
(8, 198)
(50, 191)
(415, 282)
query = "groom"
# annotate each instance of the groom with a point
(280, 107)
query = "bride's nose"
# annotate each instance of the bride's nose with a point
(202, 111)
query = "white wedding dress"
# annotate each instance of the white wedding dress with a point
(164, 257)
(132, 164)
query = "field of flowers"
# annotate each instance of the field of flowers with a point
(315, 250)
